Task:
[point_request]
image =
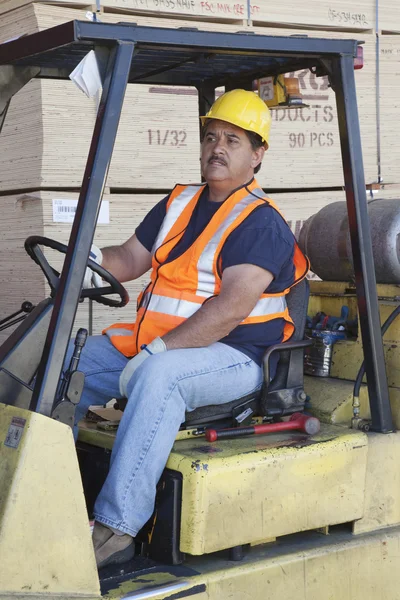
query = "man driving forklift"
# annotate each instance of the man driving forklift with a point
(222, 260)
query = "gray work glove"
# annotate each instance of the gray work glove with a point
(93, 279)
(155, 347)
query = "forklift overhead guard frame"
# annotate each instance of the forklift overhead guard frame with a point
(205, 60)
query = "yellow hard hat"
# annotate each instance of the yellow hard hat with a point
(243, 109)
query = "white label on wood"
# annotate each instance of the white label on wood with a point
(64, 211)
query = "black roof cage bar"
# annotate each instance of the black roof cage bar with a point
(162, 38)
(360, 235)
(73, 271)
(90, 34)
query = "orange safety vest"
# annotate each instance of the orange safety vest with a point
(177, 289)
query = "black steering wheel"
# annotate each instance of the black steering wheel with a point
(32, 244)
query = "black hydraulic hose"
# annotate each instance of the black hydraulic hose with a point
(361, 372)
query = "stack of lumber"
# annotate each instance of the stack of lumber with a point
(305, 144)
(389, 15)
(158, 132)
(32, 214)
(37, 16)
(228, 10)
(389, 91)
(42, 146)
(320, 14)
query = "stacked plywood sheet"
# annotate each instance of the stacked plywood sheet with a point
(157, 143)
(389, 88)
(228, 10)
(305, 144)
(320, 14)
(389, 15)
(37, 16)
(47, 133)
(32, 214)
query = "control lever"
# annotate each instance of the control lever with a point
(298, 421)
(72, 383)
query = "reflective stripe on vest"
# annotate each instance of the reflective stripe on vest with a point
(176, 207)
(185, 308)
(118, 331)
(206, 277)
(170, 306)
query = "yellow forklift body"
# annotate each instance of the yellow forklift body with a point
(45, 540)
(252, 489)
(330, 567)
(247, 490)
(332, 399)
(329, 297)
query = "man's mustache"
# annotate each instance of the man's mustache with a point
(218, 158)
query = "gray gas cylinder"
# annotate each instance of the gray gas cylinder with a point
(325, 238)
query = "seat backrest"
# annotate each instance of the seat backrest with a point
(297, 302)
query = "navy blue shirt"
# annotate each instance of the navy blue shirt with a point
(263, 239)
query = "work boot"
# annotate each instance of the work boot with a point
(110, 548)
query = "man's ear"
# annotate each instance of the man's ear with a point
(258, 156)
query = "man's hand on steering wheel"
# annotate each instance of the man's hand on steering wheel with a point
(105, 285)
(91, 278)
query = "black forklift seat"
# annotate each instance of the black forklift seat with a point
(283, 395)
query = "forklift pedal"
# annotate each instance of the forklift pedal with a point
(107, 425)
(244, 418)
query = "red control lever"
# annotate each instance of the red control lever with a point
(297, 421)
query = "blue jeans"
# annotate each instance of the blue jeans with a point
(163, 388)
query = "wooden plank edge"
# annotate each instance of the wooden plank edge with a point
(92, 7)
